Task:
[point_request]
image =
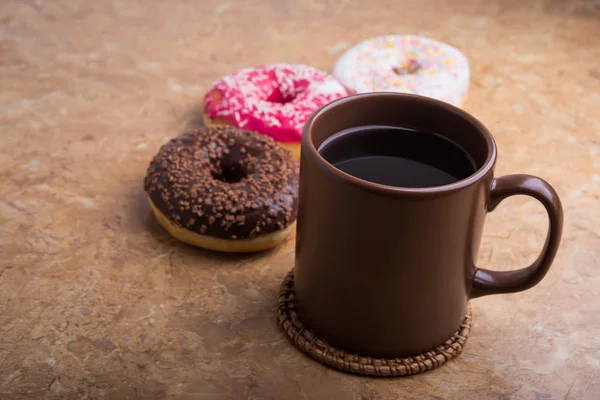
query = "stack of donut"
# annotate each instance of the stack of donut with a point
(232, 186)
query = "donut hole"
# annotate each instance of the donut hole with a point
(408, 67)
(284, 100)
(280, 98)
(230, 172)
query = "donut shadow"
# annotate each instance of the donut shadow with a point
(193, 118)
(143, 220)
(235, 259)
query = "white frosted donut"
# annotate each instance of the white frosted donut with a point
(406, 64)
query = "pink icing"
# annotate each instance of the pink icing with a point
(275, 100)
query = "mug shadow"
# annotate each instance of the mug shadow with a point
(588, 10)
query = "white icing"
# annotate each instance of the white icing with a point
(443, 74)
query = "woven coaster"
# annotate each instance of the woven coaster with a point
(320, 350)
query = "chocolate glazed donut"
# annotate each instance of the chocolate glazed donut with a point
(224, 189)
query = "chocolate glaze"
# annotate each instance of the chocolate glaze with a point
(224, 182)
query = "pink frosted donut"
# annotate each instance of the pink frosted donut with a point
(275, 100)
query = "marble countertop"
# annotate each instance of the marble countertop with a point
(98, 302)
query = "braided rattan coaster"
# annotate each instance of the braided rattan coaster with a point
(321, 351)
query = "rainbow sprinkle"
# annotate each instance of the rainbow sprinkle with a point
(406, 64)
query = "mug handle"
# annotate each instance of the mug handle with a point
(486, 282)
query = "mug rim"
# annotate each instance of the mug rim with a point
(309, 148)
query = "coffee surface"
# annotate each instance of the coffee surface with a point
(398, 156)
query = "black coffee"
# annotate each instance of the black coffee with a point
(395, 156)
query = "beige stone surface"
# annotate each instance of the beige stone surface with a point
(98, 302)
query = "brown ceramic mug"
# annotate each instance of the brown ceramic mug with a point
(388, 271)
